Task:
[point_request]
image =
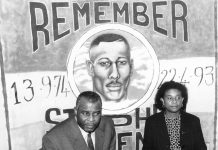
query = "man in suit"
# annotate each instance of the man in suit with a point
(87, 130)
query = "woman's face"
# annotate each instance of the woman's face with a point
(172, 100)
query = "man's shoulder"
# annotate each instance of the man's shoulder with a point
(61, 128)
(107, 120)
(106, 123)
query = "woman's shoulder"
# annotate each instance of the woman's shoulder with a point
(156, 116)
(190, 116)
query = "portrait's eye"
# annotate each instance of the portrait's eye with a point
(105, 63)
(121, 62)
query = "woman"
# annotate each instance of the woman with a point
(172, 128)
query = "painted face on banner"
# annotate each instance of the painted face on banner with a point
(110, 68)
(88, 115)
(172, 100)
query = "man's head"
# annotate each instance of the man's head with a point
(110, 66)
(88, 110)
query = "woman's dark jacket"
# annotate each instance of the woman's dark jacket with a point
(156, 136)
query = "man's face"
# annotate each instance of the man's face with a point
(111, 69)
(88, 115)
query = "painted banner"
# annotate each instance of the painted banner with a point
(48, 57)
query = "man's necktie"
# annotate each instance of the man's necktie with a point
(89, 141)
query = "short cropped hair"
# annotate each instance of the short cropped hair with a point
(171, 85)
(90, 96)
(109, 37)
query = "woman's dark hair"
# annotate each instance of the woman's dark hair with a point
(171, 85)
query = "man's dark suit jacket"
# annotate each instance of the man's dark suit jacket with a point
(67, 136)
(156, 136)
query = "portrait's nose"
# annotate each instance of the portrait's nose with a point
(114, 73)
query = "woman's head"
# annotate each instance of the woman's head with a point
(171, 96)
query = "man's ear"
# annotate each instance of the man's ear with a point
(131, 67)
(75, 111)
(89, 66)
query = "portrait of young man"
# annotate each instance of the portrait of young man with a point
(110, 67)
(86, 130)
(104, 60)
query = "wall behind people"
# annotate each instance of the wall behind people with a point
(45, 47)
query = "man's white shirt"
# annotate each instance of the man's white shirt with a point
(85, 136)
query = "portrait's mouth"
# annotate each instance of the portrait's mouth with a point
(114, 86)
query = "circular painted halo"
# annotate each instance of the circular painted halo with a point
(145, 67)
